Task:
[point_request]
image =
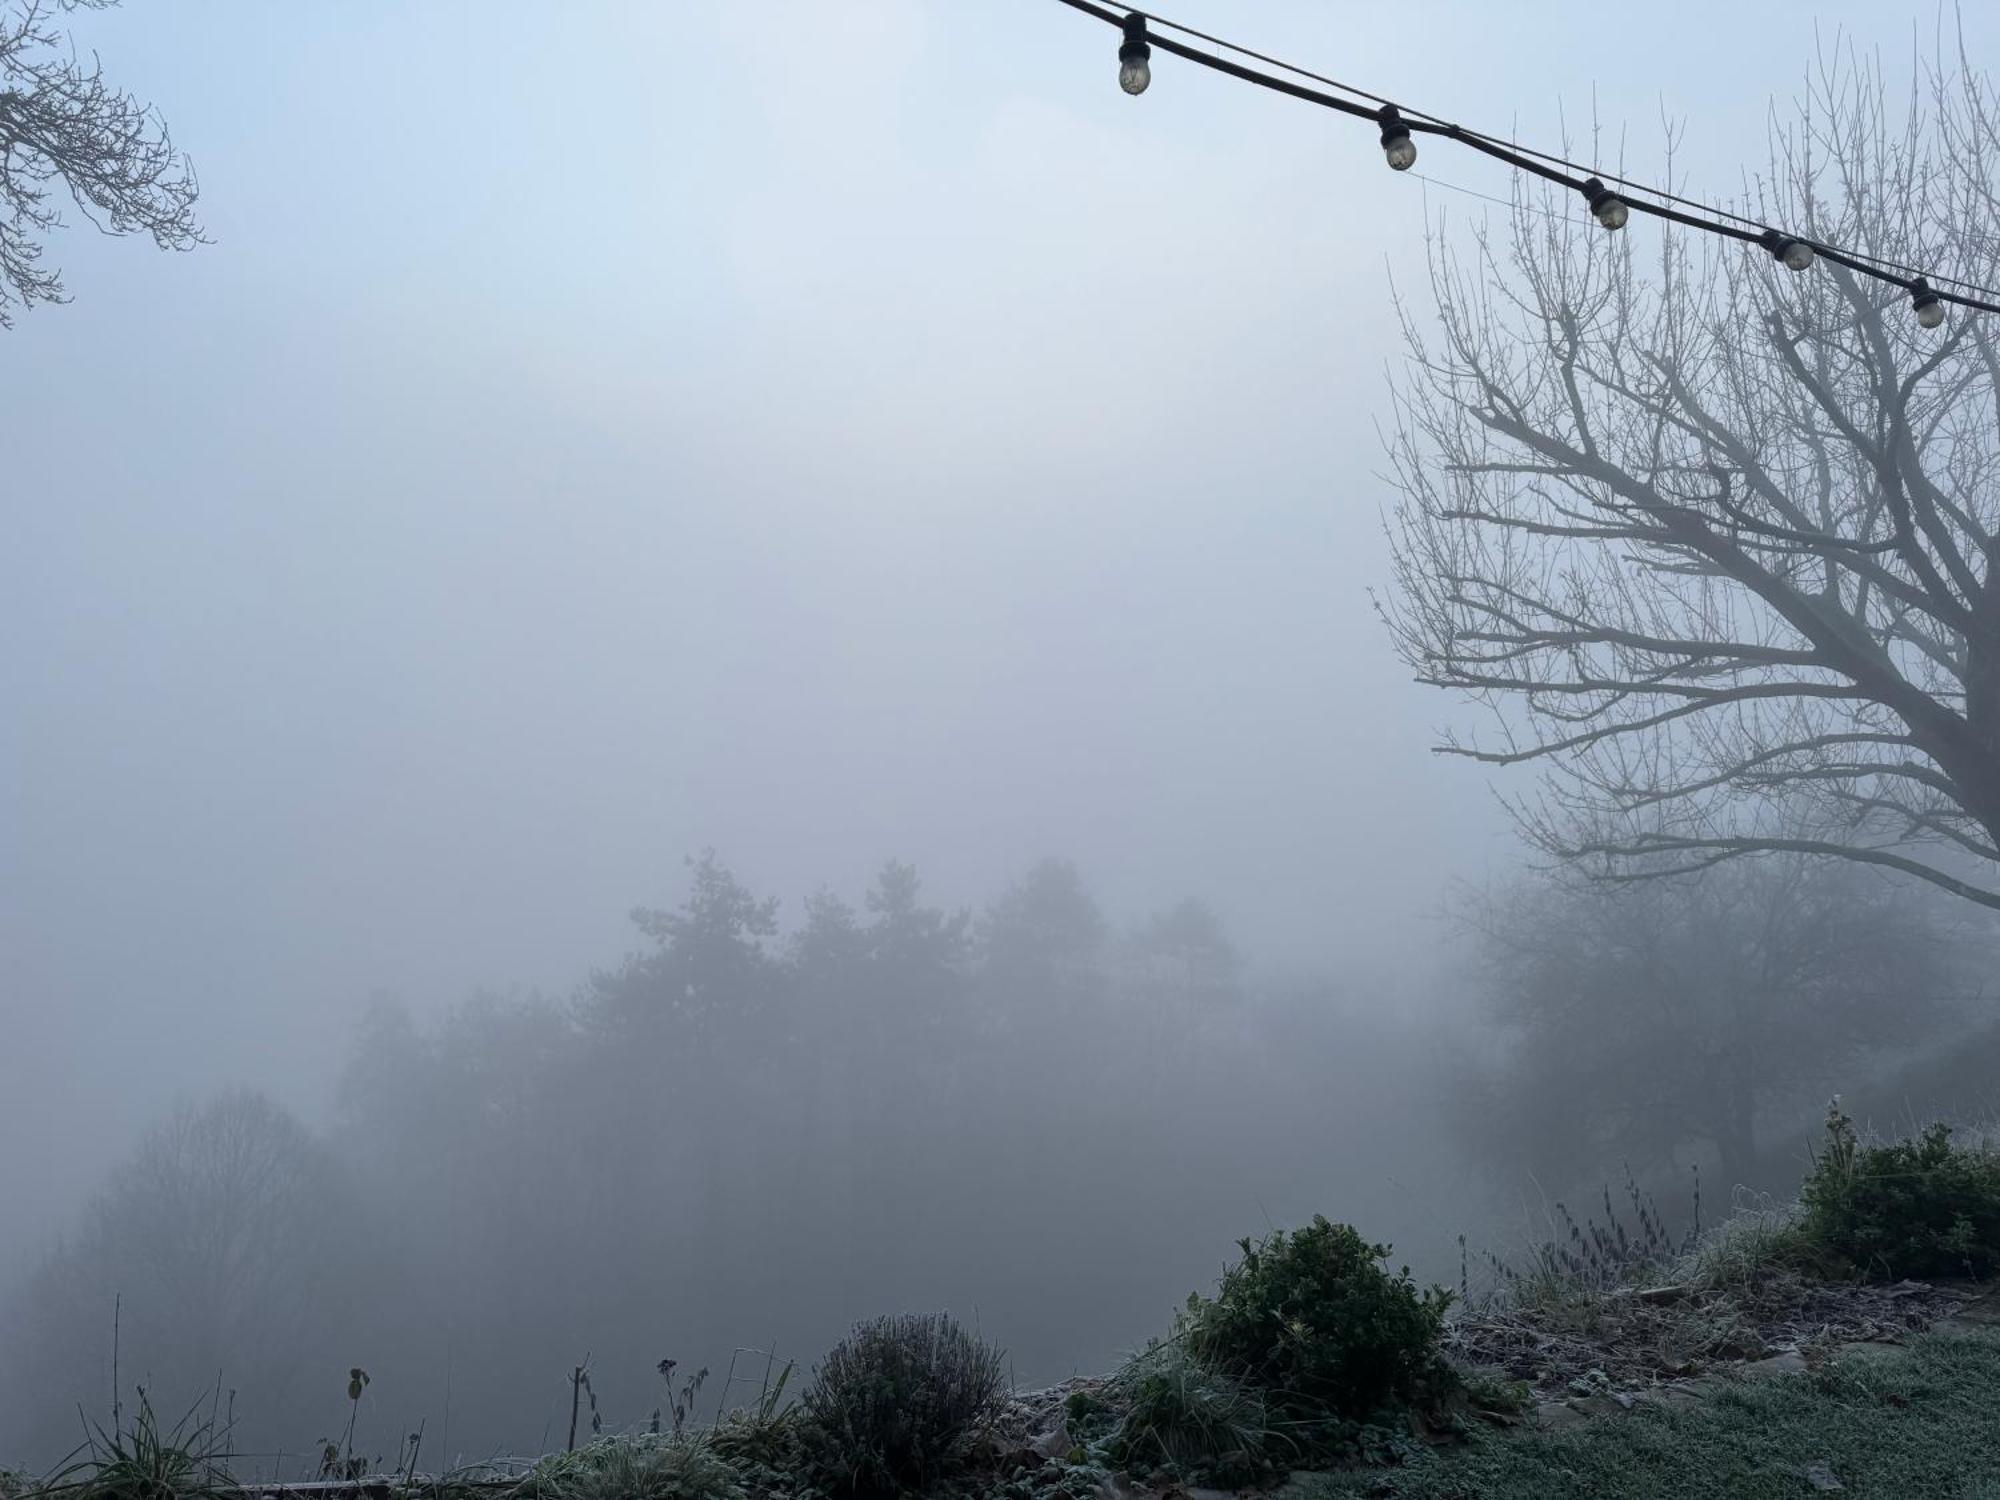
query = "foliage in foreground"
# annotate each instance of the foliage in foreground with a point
(1315, 1319)
(1581, 1259)
(1184, 1416)
(1309, 1352)
(1925, 1424)
(1920, 1207)
(146, 1461)
(1312, 1354)
(765, 1446)
(894, 1405)
(1761, 1238)
(644, 1466)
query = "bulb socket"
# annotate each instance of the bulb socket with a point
(1134, 48)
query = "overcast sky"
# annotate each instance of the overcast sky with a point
(825, 432)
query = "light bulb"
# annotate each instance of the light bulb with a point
(1793, 255)
(1135, 70)
(1930, 309)
(1612, 211)
(1397, 147)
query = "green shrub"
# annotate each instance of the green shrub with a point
(1761, 1237)
(893, 1405)
(1911, 1208)
(1314, 1318)
(1082, 1408)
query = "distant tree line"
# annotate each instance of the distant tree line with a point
(746, 1133)
(741, 1133)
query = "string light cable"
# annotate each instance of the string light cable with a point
(1400, 125)
(1557, 161)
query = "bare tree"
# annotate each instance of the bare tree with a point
(231, 1240)
(60, 122)
(1714, 541)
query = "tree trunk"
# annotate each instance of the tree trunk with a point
(1982, 696)
(1736, 1139)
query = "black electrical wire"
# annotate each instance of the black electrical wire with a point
(1525, 159)
(1446, 127)
(1348, 88)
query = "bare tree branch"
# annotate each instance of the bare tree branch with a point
(1716, 543)
(61, 123)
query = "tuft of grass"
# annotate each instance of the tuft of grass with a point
(147, 1461)
(1760, 1236)
(1183, 1415)
(1581, 1259)
(640, 1466)
(1926, 1423)
(1064, 1482)
(475, 1482)
(765, 1445)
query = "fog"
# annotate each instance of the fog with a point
(826, 436)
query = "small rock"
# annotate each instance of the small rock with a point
(1054, 1443)
(1557, 1414)
(1820, 1477)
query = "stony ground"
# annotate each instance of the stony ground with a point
(1778, 1386)
(1703, 1359)
(1673, 1343)
(1918, 1420)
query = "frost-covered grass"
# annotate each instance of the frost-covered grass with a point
(139, 1457)
(639, 1467)
(1924, 1423)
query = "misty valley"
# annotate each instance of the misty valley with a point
(692, 1176)
(999, 750)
